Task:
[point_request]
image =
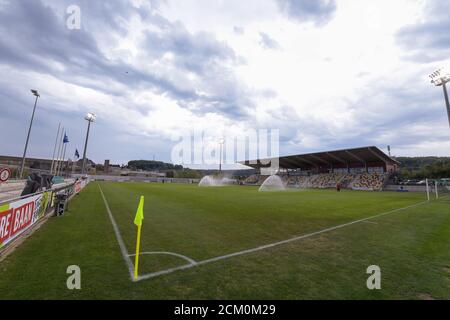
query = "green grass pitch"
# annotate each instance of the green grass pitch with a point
(411, 246)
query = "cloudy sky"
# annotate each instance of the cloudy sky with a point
(328, 74)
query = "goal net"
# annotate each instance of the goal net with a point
(437, 188)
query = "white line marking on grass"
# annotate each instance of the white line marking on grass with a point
(271, 245)
(371, 222)
(122, 246)
(163, 272)
(191, 261)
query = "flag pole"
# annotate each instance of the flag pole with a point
(138, 222)
(61, 169)
(54, 149)
(77, 157)
(58, 157)
(136, 258)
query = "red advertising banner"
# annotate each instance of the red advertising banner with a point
(16, 217)
(5, 225)
(22, 218)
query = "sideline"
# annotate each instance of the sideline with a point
(123, 249)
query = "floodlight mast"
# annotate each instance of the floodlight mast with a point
(440, 78)
(90, 117)
(221, 143)
(22, 166)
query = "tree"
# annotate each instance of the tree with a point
(148, 165)
(426, 167)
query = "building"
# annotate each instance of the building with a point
(33, 163)
(106, 166)
(37, 164)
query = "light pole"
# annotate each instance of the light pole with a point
(90, 117)
(440, 78)
(221, 142)
(36, 94)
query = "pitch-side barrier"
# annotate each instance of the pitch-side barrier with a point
(20, 216)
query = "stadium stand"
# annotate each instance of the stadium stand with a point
(365, 181)
(253, 179)
(369, 181)
(366, 168)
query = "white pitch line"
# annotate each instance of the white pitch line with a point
(122, 246)
(271, 245)
(163, 272)
(191, 261)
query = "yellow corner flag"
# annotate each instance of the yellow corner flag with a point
(139, 213)
(138, 222)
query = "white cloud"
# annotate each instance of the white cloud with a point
(342, 83)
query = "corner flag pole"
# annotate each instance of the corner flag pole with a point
(138, 222)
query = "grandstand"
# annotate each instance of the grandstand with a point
(366, 168)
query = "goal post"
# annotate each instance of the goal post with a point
(436, 187)
(442, 188)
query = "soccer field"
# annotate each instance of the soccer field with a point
(237, 243)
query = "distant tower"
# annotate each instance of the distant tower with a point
(106, 166)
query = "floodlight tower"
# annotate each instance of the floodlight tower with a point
(440, 78)
(221, 143)
(90, 117)
(37, 95)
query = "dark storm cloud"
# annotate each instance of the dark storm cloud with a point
(41, 40)
(42, 43)
(209, 60)
(267, 42)
(428, 41)
(193, 52)
(319, 12)
(34, 39)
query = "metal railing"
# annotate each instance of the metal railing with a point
(55, 190)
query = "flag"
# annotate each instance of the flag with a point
(66, 138)
(139, 213)
(77, 155)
